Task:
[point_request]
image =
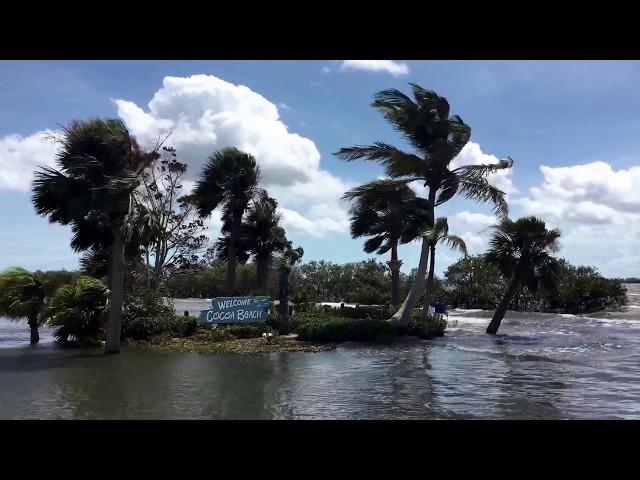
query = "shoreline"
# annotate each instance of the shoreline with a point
(240, 345)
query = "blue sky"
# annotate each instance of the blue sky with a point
(579, 119)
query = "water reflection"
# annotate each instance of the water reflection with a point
(543, 366)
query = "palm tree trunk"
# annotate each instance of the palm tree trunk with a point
(502, 307)
(394, 266)
(262, 270)
(283, 324)
(232, 261)
(401, 318)
(116, 275)
(429, 288)
(33, 325)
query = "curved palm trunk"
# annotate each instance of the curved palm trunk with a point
(429, 288)
(401, 318)
(116, 279)
(502, 307)
(262, 272)
(232, 262)
(33, 326)
(394, 266)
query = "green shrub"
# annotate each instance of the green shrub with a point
(321, 328)
(183, 326)
(79, 311)
(149, 305)
(435, 327)
(273, 319)
(374, 313)
(150, 315)
(143, 328)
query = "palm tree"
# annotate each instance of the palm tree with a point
(264, 236)
(230, 178)
(438, 234)
(77, 310)
(100, 162)
(520, 249)
(22, 295)
(437, 139)
(390, 214)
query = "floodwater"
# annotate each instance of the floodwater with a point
(541, 366)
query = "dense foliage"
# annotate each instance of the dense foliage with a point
(473, 282)
(434, 326)
(323, 327)
(78, 311)
(149, 315)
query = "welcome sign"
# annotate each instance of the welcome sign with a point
(237, 310)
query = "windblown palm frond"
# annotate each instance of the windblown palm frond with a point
(480, 190)
(439, 233)
(396, 162)
(230, 176)
(386, 210)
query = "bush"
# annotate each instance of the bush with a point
(435, 327)
(321, 328)
(273, 319)
(374, 313)
(143, 328)
(79, 311)
(150, 315)
(149, 305)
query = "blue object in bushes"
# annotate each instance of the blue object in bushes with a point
(440, 308)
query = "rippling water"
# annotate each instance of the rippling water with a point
(541, 366)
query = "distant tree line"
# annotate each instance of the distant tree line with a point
(473, 282)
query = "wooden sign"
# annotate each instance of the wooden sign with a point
(237, 310)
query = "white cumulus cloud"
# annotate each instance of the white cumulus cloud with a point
(21, 156)
(204, 113)
(592, 193)
(389, 66)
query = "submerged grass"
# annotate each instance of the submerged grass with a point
(204, 344)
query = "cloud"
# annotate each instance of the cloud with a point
(389, 66)
(284, 106)
(597, 210)
(473, 228)
(477, 219)
(205, 113)
(325, 70)
(20, 156)
(592, 193)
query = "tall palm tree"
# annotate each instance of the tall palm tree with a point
(22, 295)
(437, 138)
(521, 251)
(230, 178)
(100, 162)
(264, 235)
(389, 213)
(438, 234)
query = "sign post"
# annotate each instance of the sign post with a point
(237, 310)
